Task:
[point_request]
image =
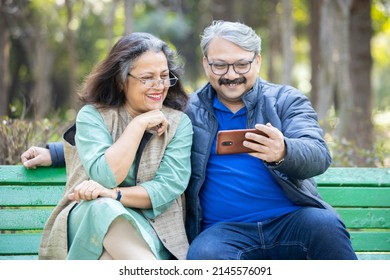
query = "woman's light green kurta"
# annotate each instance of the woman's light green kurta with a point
(90, 220)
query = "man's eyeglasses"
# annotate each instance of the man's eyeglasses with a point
(150, 83)
(240, 67)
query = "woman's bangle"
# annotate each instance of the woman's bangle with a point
(118, 194)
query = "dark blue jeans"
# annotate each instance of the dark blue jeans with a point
(308, 233)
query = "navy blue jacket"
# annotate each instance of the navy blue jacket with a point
(57, 154)
(285, 108)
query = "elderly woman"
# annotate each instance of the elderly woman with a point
(128, 160)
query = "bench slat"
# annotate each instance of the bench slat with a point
(366, 241)
(24, 219)
(19, 257)
(30, 195)
(18, 174)
(19, 244)
(29, 243)
(356, 176)
(373, 256)
(355, 218)
(363, 197)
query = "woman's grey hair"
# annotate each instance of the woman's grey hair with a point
(146, 42)
(106, 85)
(237, 33)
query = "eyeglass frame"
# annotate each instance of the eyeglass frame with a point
(232, 64)
(159, 82)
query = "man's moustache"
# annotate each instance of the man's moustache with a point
(223, 81)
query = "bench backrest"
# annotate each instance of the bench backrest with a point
(362, 198)
(27, 198)
(360, 195)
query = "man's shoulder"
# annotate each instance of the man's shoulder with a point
(279, 91)
(272, 89)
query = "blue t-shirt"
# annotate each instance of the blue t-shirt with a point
(239, 187)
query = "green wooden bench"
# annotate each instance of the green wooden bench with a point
(27, 197)
(360, 195)
(362, 198)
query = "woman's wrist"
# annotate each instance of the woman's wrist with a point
(117, 194)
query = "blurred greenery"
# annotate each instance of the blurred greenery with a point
(16, 136)
(181, 26)
(346, 154)
(180, 23)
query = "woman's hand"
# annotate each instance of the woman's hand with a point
(121, 154)
(89, 190)
(153, 120)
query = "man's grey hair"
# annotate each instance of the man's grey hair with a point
(237, 33)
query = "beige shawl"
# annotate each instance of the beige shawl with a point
(169, 226)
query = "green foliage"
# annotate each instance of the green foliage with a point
(16, 136)
(380, 12)
(380, 49)
(175, 22)
(175, 26)
(381, 84)
(347, 154)
(301, 16)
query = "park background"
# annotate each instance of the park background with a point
(335, 51)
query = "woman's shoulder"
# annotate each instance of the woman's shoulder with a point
(89, 112)
(87, 109)
(95, 110)
(171, 113)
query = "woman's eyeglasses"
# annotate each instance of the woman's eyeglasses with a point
(150, 83)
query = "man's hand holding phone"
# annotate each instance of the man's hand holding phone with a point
(271, 149)
(264, 142)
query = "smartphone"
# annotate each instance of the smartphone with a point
(230, 141)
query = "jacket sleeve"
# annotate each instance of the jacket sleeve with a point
(57, 154)
(307, 154)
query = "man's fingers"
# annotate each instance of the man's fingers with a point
(30, 164)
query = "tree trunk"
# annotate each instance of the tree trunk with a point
(42, 65)
(326, 72)
(4, 69)
(360, 68)
(129, 5)
(315, 50)
(343, 78)
(110, 23)
(287, 25)
(71, 47)
(273, 51)
(221, 9)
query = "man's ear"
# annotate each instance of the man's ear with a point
(258, 60)
(205, 64)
